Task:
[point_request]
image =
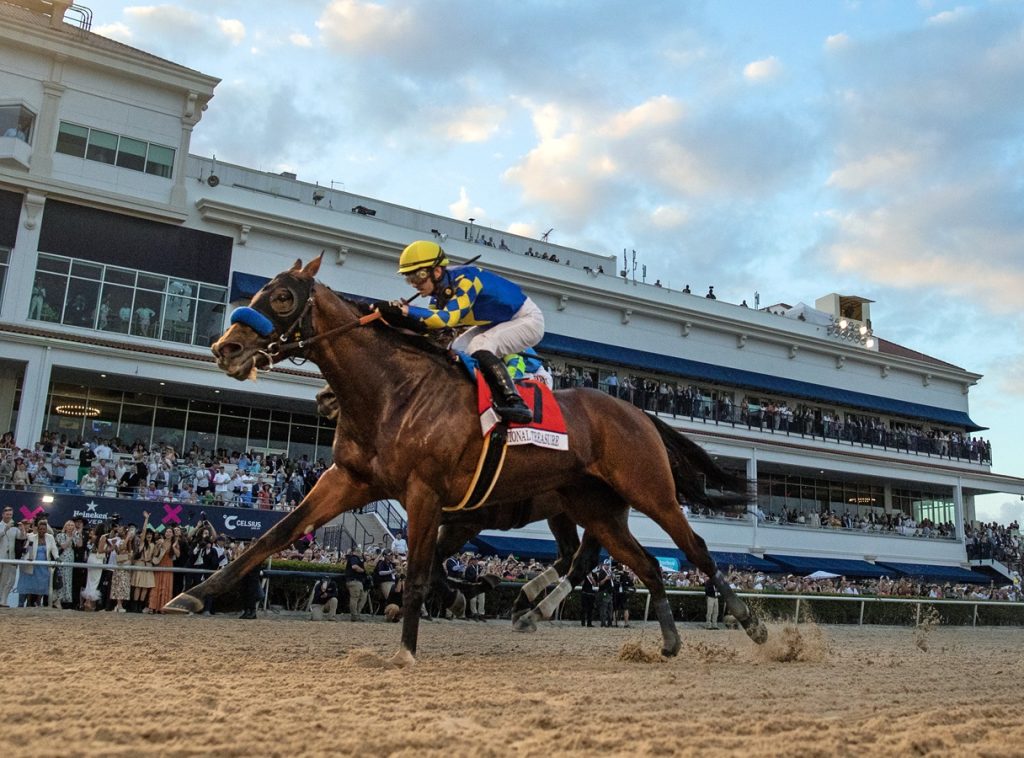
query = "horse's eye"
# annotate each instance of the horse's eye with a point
(282, 302)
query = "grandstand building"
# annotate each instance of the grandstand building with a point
(121, 254)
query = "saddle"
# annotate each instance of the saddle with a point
(546, 429)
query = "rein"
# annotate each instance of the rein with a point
(291, 344)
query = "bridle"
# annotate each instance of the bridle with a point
(291, 341)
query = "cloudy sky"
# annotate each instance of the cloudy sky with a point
(795, 148)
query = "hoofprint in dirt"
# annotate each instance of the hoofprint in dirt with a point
(111, 684)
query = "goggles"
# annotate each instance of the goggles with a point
(418, 276)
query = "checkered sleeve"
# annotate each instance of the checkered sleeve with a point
(458, 308)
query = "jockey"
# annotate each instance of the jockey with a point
(503, 319)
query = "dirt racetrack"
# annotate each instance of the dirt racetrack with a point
(108, 685)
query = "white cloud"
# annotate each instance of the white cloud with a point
(117, 31)
(873, 169)
(476, 124)
(366, 27)
(657, 111)
(836, 42)
(763, 70)
(463, 208)
(232, 28)
(669, 217)
(300, 40)
(949, 17)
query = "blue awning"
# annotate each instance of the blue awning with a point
(734, 377)
(244, 286)
(744, 561)
(843, 566)
(937, 573)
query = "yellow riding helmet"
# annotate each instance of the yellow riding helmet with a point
(421, 254)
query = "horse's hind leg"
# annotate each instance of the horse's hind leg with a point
(584, 559)
(653, 494)
(697, 552)
(564, 531)
(612, 530)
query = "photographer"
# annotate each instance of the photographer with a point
(604, 596)
(355, 573)
(384, 575)
(325, 600)
(623, 585)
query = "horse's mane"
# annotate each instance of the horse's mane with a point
(419, 343)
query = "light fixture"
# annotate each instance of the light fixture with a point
(852, 331)
(47, 498)
(76, 409)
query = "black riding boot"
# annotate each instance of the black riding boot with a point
(507, 402)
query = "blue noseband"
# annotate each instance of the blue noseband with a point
(253, 319)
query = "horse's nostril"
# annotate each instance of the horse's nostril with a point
(225, 349)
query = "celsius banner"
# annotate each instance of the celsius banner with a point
(240, 523)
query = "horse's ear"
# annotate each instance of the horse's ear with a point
(314, 265)
(297, 265)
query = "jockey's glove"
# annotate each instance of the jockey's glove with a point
(392, 315)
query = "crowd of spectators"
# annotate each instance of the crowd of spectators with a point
(111, 468)
(107, 548)
(994, 541)
(903, 587)
(678, 399)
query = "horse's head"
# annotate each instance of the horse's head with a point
(275, 312)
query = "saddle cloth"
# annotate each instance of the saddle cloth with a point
(547, 429)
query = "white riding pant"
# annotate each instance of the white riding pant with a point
(523, 330)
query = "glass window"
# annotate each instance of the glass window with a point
(86, 270)
(152, 282)
(160, 161)
(71, 139)
(115, 313)
(53, 263)
(201, 432)
(120, 276)
(17, 121)
(214, 294)
(149, 308)
(131, 153)
(5, 258)
(83, 295)
(169, 428)
(47, 300)
(209, 323)
(102, 146)
(232, 434)
(136, 424)
(258, 432)
(203, 406)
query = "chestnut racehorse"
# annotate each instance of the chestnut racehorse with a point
(410, 432)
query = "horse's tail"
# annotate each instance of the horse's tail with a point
(695, 473)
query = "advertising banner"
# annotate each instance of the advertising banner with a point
(233, 523)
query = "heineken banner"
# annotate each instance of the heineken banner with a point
(238, 523)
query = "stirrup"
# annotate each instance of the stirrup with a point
(514, 412)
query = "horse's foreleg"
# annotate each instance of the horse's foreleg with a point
(333, 493)
(424, 519)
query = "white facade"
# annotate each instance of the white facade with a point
(65, 76)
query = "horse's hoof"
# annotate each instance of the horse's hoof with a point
(184, 603)
(758, 632)
(525, 623)
(672, 652)
(403, 659)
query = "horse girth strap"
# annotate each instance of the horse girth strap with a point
(488, 469)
